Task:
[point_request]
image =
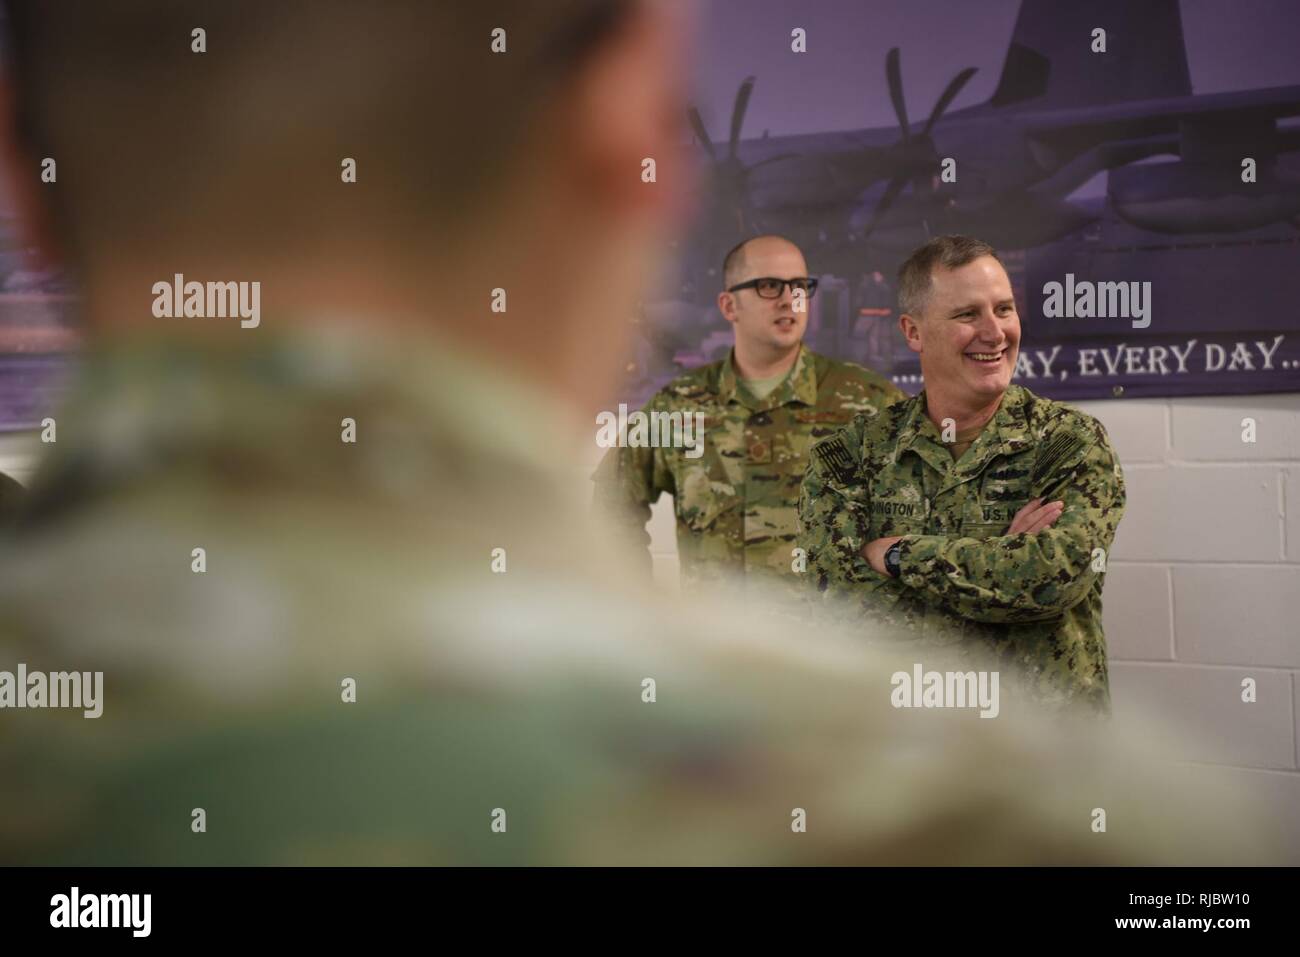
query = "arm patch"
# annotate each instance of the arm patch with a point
(833, 457)
(1050, 456)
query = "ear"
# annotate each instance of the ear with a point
(20, 184)
(727, 306)
(911, 332)
(628, 117)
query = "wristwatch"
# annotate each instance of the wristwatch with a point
(891, 559)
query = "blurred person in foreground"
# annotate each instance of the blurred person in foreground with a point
(404, 646)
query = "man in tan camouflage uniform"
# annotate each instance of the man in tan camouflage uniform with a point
(976, 511)
(763, 407)
(408, 648)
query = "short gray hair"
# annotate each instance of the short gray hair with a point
(915, 278)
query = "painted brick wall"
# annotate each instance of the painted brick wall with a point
(1203, 587)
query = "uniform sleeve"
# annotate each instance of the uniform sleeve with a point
(890, 394)
(628, 481)
(833, 527)
(879, 391)
(1014, 578)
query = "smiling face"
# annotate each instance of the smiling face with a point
(766, 328)
(968, 336)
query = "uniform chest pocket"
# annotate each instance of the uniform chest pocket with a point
(790, 450)
(895, 515)
(1003, 491)
(813, 426)
(702, 498)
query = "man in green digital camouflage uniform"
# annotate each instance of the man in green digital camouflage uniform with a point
(976, 513)
(762, 408)
(400, 642)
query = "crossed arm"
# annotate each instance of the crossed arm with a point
(1045, 563)
(1031, 519)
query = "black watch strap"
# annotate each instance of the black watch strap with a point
(891, 559)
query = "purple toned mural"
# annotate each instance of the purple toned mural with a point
(1142, 184)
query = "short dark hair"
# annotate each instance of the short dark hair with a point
(155, 143)
(916, 276)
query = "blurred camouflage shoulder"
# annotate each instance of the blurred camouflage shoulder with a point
(690, 388)
(846, 379)
(868, 433)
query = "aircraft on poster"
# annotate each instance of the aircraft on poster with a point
(1005, 170)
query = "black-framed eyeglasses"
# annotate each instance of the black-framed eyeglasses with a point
(771, 288)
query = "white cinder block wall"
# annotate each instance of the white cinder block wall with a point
(1204, 582)
(1203, 587)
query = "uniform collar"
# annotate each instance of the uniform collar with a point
(143, 402)
(799, 386)
(1006, 434)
